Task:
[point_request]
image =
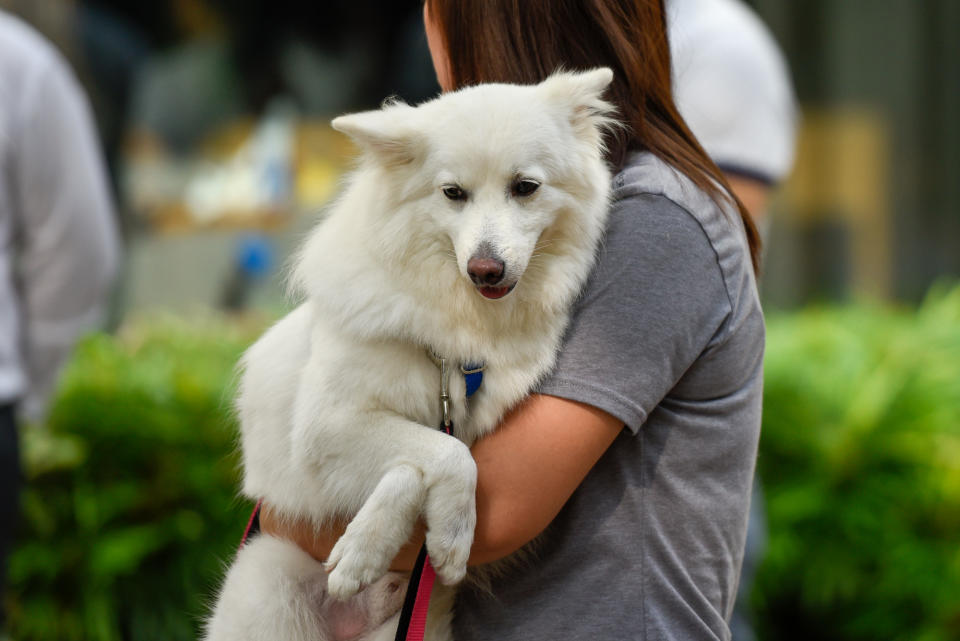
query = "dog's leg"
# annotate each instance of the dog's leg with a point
(422, 472)
(376, 533)
(274, 590)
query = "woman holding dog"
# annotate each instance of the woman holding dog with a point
(633, 463)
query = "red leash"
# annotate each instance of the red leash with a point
(416, 604)
(253, 525)
(413, 615)
(418, 621)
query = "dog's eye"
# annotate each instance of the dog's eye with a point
(525, 187)
(454, 193)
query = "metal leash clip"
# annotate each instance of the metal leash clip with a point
(444, 393)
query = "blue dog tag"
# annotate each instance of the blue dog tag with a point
(472, 377)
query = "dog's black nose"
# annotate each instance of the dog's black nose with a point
(485, 271)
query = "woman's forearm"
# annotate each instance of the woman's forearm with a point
(526, 471)
(319, 542)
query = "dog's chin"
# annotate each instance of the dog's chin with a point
(494, 293)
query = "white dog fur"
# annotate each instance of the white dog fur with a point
(339, 401)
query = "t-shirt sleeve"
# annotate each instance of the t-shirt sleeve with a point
(653, 303)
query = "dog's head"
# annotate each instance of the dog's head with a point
(488, 170)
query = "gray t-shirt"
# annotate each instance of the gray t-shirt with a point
(668, 337)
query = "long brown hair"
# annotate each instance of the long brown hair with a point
(524, 41)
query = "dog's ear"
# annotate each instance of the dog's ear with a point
(387, 134)
(581, 93)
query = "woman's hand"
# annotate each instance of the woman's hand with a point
(526, 471)
(319, 542)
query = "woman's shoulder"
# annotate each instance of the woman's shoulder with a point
(661, 294)
(644, 174)
(652, 198)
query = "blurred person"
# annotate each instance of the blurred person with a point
(58, 243)
(104, 50)
(732, 86)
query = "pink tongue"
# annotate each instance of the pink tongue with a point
(494, 292)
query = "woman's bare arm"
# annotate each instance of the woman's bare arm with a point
(527, 470)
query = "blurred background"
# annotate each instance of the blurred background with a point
(212, 119)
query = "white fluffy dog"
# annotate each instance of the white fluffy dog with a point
(468, 229)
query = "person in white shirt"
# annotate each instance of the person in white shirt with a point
(59, 246)
(732, 86)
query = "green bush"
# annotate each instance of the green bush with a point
(860, 458)
(130, 509)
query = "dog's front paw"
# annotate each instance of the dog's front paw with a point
(449, 549)
(451, 516)
(342, 586)
(352, 566)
